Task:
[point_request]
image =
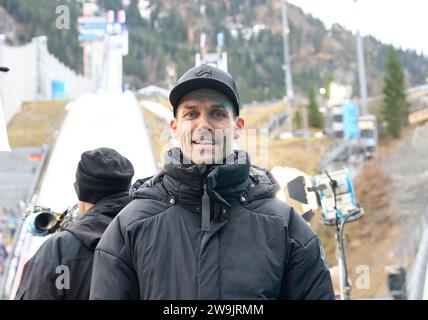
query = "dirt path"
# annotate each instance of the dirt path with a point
(394, 191)
(407, 167)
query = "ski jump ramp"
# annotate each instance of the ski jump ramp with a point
(102, 120)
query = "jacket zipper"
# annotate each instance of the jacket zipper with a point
(206, 209)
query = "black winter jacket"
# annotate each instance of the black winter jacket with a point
(45, 277)
(236, 241)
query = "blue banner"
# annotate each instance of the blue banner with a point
(90, 31)
(350, 120)
(220, 39)
(58, 90)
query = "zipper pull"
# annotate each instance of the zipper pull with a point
(206, 210)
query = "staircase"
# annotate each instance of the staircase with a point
(17, 173)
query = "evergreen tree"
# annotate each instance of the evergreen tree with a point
(111, 4)
(298, 120)
(395, 108)
(328, 79)
(38, 18)
(314, 115)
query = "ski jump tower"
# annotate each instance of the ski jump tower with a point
(217, 59)
(105, 42)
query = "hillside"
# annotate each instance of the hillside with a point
(38, 17)
(37, 123)
(169, 38)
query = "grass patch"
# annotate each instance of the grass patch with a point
(258, 117)
(36, 123)
(156, 127)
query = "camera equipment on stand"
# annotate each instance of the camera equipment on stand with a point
(336, 197)
(41, 221)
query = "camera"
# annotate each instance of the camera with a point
(336, 197)
(334, 193)
(42, 221)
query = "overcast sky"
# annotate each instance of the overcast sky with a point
(399, 22)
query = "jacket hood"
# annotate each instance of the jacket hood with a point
(226, 183)
(89, 227)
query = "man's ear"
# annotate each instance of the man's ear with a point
(173, 127)
(239, 127)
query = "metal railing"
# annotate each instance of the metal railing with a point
(418, 280)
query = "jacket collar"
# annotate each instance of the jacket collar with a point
(224, 182)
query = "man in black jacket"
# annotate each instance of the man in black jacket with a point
(61, 268)
(208, 226)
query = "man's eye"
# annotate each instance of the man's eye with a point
(190, 114)
(220, 114)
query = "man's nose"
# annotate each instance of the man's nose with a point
(204, 123)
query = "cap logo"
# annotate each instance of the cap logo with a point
(204, 72)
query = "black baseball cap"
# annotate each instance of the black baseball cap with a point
(205, 77)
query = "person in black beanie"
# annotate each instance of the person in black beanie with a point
(101, 173)
(62, 267)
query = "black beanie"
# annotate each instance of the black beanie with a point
(101, 173)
